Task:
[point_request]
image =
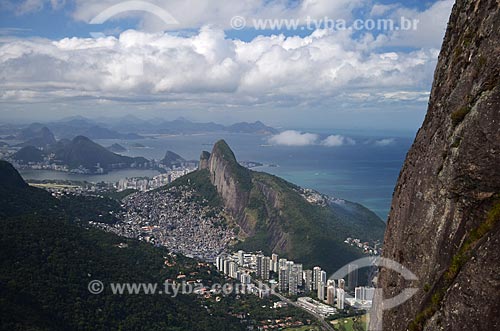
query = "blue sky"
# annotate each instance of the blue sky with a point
(45, 21)
(52, 64)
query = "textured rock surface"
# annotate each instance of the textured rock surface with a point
(228, 176)
(204, 160)
(274, 216)
(448, 185)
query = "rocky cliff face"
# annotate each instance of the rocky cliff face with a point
(275, 216)
(444, 220)
(235, 185)
(233, 182)
(204, 160)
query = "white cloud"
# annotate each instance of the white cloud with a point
(431, 26)
(337, 140)
(197, 13)
(380, 9)
(208, 68)
(297, 138)
(193, 14)
(385, 142)
(294, 138)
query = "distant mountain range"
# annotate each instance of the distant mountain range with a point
(75, 147)
(182, 126)
(85, 127)
(79, 152)
(36, 135)
(82, 151)
(130, 127)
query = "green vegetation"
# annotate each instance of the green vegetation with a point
(357, 323)
(304, 328)
(172, 159)
(348, 313)
(462, 256)
(457, 262)
(314, 231)
(257, 212)
(456, 142)
(276, 207)
(28, 154)
(9, 177)
(256, 311)
(199, 181)
(82, 151)
(48, 261)
(47, 288)
(119, 195)
(427, 287)
(90, 208)
(491, 220)
(17, 198)
(458, 115)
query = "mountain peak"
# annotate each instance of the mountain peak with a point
(36, 135)
(28, 154)
(9, 177)
(172, 159)
(222, 149)
(204, 160)
(274, 216)
(79, 139)
(45, 130)
(232, 180)
(82, 151)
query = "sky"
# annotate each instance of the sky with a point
(289, 63)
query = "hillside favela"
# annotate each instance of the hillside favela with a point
(255, 165)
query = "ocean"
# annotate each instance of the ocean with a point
(365, 172)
